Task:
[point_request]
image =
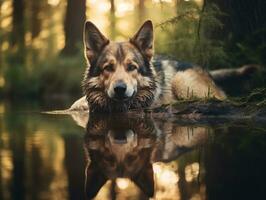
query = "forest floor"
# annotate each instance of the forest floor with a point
(252, 107)
(249, 108)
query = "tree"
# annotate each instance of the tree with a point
(35, 18)
(18, 30)
(112, 20)
(73, 25)
(244, 28)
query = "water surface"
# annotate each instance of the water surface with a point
(128, 157)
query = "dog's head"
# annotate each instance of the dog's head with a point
(119, 150)
(120, 76)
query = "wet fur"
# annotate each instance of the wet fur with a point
(155, 81)
(129, 148)
(95, 88)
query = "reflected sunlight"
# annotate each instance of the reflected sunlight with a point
(53, 158)
(162, 1)
(53, 2)
(104, 192)
(122, 183)
(166, 179)
(192, 171)
(2, 84)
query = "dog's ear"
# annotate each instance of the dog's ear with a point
(143, 39)
(94, 41)
(94, 180)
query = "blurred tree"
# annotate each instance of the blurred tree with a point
(244, 29)
(17, 40)
(1, 38)
(112, 20)
(73, 25)
(36, 18)
(141, 10)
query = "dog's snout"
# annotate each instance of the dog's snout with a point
(120, 89)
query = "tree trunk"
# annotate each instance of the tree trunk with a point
(35, 18)
(1, 42)
(73, 25)
(18, 30)
(112, 20)
(241, 19)
(141, 10)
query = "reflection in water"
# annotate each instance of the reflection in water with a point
(129, 157)
(126, 157)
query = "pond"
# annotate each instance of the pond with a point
(75, 156)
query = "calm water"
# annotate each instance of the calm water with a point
(127, 157)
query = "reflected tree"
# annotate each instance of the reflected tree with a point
(74, 166)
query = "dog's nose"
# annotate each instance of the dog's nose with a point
(120, 89)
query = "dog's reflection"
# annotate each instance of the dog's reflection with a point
(119, 147)
(124, 146)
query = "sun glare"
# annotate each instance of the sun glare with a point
(192, 171)
(122, 183)
(53, 2)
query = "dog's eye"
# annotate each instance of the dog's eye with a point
(131, 67)
(109, 67)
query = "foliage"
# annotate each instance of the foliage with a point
(31, 65)
(191, 29)
(54, 77)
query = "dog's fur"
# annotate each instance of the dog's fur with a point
(129, 148)
(147, 81)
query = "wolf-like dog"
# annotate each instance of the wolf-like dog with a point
(125, 75)
(129, 148)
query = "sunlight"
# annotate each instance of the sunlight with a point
(2, 83)
(99, 6)
(192, 171)
(53, 2)
(104, 192)
(122, 183)
(162, 1)
(6, 164)
(6, 22)
(6, 7)
(196, 197)
(166, 180)
(123, 7)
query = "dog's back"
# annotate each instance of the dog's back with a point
(179, 80)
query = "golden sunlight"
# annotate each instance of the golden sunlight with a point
(122, 183)
(123, 7)
(192, 171)
(53, 2)
(166, 179)
(162, 1)
(2, 82)
(104, 192)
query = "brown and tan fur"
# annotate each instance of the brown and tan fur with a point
(129, 148)
(122, 75)
(119, 150)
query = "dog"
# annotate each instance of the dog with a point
(122, 76)
(130, 148)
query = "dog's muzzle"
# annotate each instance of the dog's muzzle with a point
(121, 92)
(120, 89)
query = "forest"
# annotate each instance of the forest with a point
(192, 149)
(41, 50)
